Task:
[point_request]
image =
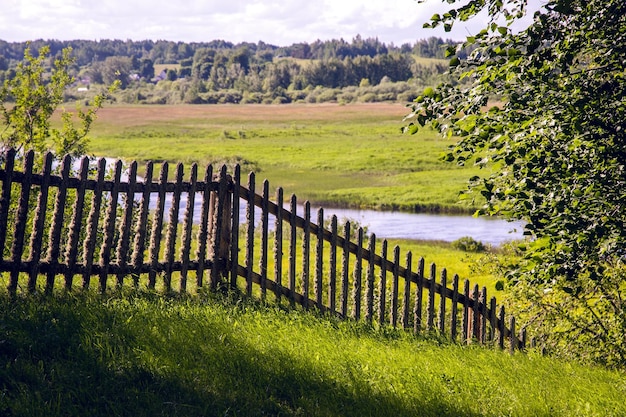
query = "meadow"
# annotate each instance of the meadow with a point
(212, 355)
(335, 155)
(145, 353)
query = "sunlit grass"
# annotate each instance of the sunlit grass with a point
(147, 355)
(349, 155)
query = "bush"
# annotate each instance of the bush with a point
(468, 244)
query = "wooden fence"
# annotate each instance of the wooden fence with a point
(112, 225)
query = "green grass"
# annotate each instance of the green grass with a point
(146, 355)
(349, 155)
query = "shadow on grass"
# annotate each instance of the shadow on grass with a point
(74, 356)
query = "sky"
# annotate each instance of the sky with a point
(277, 22)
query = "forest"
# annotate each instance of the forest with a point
(167, 72)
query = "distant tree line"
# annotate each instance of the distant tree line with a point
(219, 71)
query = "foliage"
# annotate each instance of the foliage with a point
(544, 109)
(221, 72)
(29, 99)
(469, 244)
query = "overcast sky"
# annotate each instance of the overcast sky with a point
(278, 22)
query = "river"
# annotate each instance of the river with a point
(393, 224)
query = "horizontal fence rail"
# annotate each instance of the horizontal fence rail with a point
(107, 227)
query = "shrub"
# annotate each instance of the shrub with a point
(469, 244)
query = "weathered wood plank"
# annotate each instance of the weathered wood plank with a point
(91, 239)
(139, 245)
(306, 248)
(319, 259)
(393, 316)
(332, 279)
(109, 228)
(38, 224)
(157, 226)
(278, 244)
(264, 238)
(76, 224)
(123, 244)
(203, 230)
(185, 249)
(172, 229)
(250, 234)
(357, 277)
(21, 219)
(54, 237)
(382, 286)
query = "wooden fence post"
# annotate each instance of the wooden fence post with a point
(220, 231)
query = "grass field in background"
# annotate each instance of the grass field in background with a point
(352, 155)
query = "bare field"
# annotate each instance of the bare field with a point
(142, 114)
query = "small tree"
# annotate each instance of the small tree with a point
(29, 99)
(544, 108)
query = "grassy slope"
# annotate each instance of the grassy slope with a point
(146, 355)
(336, 155)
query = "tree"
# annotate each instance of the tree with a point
(544, 109)
(29, 99)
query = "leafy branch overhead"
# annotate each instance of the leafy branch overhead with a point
(543, 110)
(30, 98)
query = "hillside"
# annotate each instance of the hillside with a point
(145, 355)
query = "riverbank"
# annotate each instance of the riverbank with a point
(332, 155)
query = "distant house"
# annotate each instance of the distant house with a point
(162, 76)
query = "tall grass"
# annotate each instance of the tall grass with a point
(145, 355)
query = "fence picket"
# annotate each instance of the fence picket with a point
(466, 313)
(234, 244)
(141, 228)
(371, 248)
(172, 229)
(38, 225)
(357, 277)
(319, 259)
(306, 248)
(394, 287)
(475, 314)
(332, 280)
(345, 265)
(5, 198)
(89, 246)
(278, 243)
(109, 228)
(185, 249)
(75, 228)
(430, 306)
(203, 230)
(455, 308)
(483, 315)
(292, 250)
(417, 307)
(17, 246)
(124, 228)
(442, 302)
(264, 238)
(54, 238)
(406, 300)
(250, 234)
(382, 284)
(157, 227)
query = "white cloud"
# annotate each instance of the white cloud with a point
(280, 22)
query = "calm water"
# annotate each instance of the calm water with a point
(387, 224)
